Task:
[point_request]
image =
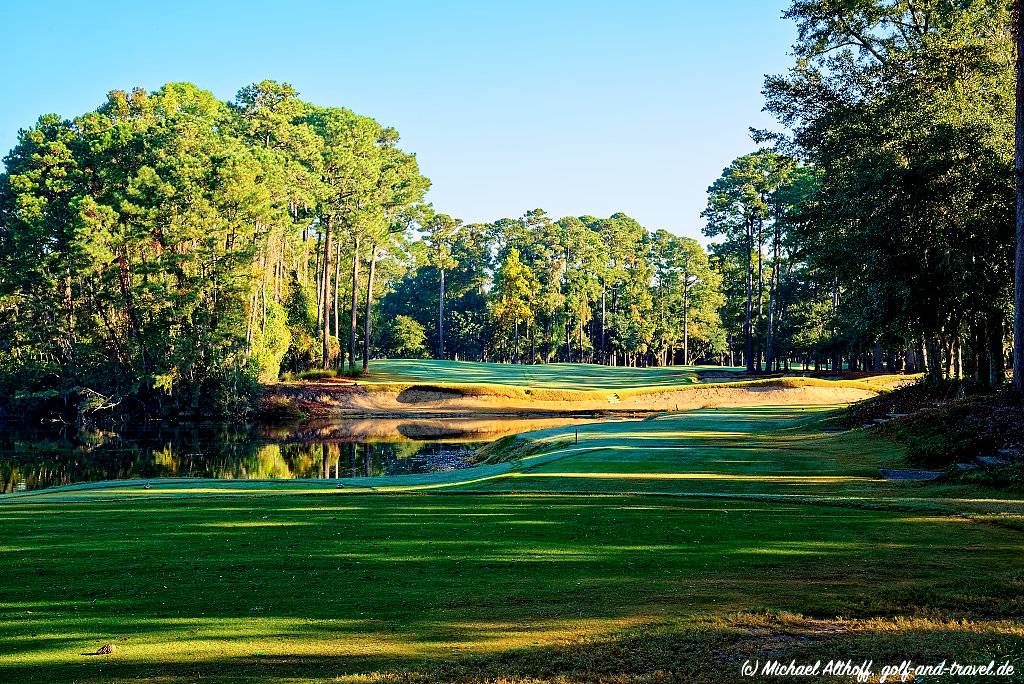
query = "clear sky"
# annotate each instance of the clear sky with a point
(574, 106)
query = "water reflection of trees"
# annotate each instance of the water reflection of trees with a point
(37, 458)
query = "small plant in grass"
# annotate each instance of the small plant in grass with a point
(318, 374)
(1009, 477)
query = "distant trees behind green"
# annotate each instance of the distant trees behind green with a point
(535, 290)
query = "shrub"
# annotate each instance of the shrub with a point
(233, 393)
(318, 374)
(1010, 477)
(961, 429)
(404, 337)
(280, 410)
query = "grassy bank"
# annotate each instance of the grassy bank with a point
(643, 552)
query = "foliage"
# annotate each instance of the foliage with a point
(581, 289)
(160, 247)
(961, 429)
(902, 115)
(405, 337)
(318, 374)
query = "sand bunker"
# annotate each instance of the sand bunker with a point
(341, 400)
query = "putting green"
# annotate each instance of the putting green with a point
(646, 551)
(578, 376)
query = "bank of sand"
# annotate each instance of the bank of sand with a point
(368, 400)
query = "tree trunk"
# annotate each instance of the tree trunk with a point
(325, 296)
(353, 322)
(1018, 166)
(933, 351)
(686, 319)
(748, 337)
(760, 285)
(769, 342)
(581, 339)
(515, 348)
(977, 360)
(440, 318)
(369, 308)
(604, 301)
(909, 361)
(318, 270)
(773, 297)
(996, 358)
(337, 294)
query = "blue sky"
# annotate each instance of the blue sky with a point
(572, 106)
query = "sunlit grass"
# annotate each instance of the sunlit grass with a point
(574, 376)
(577, 382)
(332, 586)
(767, 536)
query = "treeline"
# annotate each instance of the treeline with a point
(168, 252)
(878, 229)
(537, 290)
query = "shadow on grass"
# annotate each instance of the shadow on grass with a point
(449, 587)
(699, 652)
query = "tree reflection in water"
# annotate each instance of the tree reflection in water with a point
(36, 458)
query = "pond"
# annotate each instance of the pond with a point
(37, 457)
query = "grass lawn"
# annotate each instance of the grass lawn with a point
(576, 376)
(647, 551)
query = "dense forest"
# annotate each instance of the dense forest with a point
(173, 251)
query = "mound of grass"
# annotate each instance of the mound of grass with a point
(943, 423)
(1009, 477)
(902, 400)
(515, 448)
(961, 430)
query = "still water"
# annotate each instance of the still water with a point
(37, 457)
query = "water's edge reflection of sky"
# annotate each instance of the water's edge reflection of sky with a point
(37, 457)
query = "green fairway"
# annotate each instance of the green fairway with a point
(579, 376)
(644, 551)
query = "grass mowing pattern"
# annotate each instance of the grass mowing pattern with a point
(304, 582)
(757, 450)
(575, 376)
